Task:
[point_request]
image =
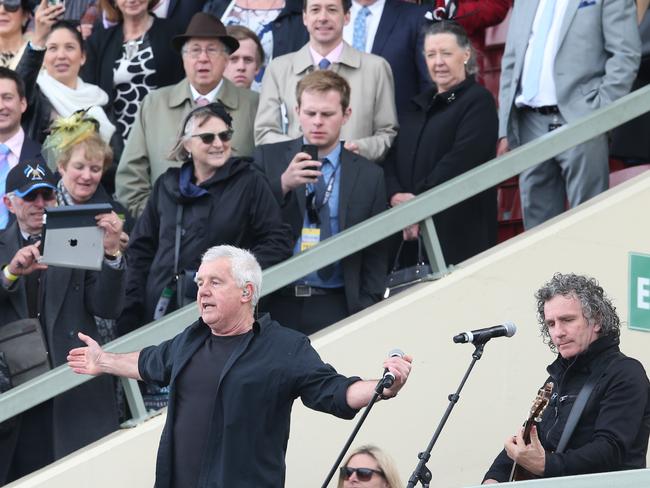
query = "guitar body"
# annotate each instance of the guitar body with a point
(542, 399)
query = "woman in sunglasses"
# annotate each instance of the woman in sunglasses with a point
(14, 17)
(213, 198)
(369, 467)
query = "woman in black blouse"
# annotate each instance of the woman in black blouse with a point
(131, 58)
(446, 131)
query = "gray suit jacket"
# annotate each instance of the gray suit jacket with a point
(362, 194)
(596, 62)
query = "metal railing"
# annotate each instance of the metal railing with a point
(420, 209)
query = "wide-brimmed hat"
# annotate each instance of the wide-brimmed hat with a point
(206, 26)
(27, 176)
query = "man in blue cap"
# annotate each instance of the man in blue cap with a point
(64, 301)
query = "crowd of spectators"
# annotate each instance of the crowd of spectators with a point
(270, 125)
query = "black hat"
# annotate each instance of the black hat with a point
(206, 26)
(28, 176)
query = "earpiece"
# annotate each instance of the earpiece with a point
(246, 293)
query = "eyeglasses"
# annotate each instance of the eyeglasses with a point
(11, 5)
(46, 193)
(196, 51)
(208, 137)
(363, 474)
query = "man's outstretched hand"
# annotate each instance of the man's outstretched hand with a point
(86, 360)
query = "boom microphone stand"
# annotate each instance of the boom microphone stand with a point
(379, 389)
(421, 473)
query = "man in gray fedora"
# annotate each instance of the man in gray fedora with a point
(205, 48)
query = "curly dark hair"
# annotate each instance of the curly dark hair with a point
(597, 308)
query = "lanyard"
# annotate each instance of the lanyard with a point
(328, 189)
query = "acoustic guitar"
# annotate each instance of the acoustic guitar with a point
(542, 400)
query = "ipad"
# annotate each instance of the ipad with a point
(71, 238)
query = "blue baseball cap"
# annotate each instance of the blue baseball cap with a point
(27, 176)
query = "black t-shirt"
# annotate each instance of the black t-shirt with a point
(196, 391)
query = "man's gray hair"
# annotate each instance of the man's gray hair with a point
(597, 308)
(243, 266)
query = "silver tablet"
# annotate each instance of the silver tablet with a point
(71, 238)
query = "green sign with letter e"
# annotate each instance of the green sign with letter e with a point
(639, 314)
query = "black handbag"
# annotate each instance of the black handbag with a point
(400, 279)
(23, 353)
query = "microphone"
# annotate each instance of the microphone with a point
(389, 378)
(483, 335)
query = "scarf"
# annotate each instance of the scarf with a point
(63, 198)
(66, 101)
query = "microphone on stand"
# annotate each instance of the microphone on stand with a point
(483, 335)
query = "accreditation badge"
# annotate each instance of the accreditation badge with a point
(310, 237)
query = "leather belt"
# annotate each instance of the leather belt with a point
(306, 291)
(545, 110)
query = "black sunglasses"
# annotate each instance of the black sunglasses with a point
(208, 137)
(363, 474)
(46, 193)
(11, 5)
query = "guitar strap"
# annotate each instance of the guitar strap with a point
(581, 401)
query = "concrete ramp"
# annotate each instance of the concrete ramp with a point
(492, 288)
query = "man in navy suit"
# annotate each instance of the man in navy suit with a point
(392, 29)
(178, 12)
(14, 145)
(320, 195)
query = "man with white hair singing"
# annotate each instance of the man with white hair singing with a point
(233, 380)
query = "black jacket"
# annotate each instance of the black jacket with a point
(289, 32)
(264, 375)
(612, 433)
(69, 300)
(104, 47)
(441, 137)
(36, 119)
(237, 208)
(180, 12)
(361, 195)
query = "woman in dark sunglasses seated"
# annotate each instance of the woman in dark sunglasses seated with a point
(369, 467)
(213, 198)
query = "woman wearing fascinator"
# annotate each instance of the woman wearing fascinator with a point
(80, 155)
(446, 131)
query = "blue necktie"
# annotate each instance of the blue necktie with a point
(4, 170)
(324, 63)
(360, 29)
(320, 188)
(530, 86)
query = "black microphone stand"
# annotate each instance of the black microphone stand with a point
(421, 473)
(379, 389)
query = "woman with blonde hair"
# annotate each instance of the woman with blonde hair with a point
(369, 467)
